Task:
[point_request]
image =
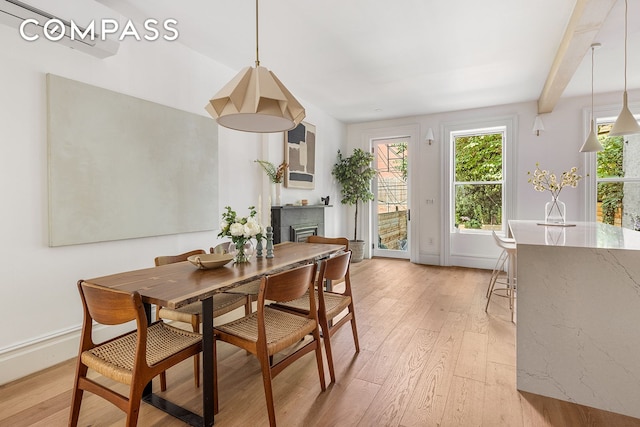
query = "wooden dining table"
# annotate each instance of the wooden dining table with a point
(179, 284)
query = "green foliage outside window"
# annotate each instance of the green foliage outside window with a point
(610, 165)
(400, 163)
(478, 158)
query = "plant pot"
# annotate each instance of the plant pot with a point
(357, 250)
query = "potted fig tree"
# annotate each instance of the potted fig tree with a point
(354, 173)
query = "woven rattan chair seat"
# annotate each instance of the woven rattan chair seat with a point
(251, 288)
(282, 329)
(115, 359)
(334, 303)
(222, 304)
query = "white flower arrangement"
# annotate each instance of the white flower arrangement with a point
(241, 230)
(543, 180)
(240, 227)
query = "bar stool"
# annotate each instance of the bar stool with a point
(508, 286)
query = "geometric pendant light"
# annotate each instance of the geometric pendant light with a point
(592, 144)
(626, 124)
(256, 101)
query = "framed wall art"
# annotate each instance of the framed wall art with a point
(122, 167)
(300, 155)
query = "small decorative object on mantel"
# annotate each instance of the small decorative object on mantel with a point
(325, 200)
(276, 176)
(543, 180)
(241, 230)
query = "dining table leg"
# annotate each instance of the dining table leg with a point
(207, 362)
(148, 389)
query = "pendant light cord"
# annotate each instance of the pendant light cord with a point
(626, 5)
(593, 48)
(257, 55)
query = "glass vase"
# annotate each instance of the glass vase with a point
(242, 250)
(555, 211)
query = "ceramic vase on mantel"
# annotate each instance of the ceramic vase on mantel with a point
(555, 211)
(276, 201)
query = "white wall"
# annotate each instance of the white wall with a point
(41, 312)
(555, 149)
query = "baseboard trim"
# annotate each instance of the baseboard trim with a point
(30, 357)
(472, 261)
(429, 259)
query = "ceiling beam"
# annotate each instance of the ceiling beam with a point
(586, 20)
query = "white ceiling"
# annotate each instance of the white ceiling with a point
(363, 60)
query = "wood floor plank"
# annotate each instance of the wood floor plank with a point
(502, 405)
(427, 403)
(391, 402)
(385, 358)
(472, 361)
(430, 356)
(501, 346)
(340, 408)
(465, 403)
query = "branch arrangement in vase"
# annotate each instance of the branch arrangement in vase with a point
(275, 174)
(543, 180)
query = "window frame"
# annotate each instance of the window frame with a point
(606, 114)
(509, 188)
(454, 183)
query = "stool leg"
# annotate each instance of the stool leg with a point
(502, 259)
(512, 283)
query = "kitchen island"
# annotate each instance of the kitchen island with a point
(578, 313)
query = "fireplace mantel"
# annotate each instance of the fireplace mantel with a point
(289, 219)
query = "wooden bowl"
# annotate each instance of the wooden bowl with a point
(208, 261)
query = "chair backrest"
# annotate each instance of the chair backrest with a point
(330, 240)
(110, 306)
(511, 246)
(170, 259)
(287, 285)
(335, 268)
(222, 248)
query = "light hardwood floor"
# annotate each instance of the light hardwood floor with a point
(430, 356)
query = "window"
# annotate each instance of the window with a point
(478, 178)
(618, 178)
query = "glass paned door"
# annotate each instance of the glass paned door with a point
(391, 205)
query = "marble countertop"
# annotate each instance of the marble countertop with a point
(578, 234)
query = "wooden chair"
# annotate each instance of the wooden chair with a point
(330, 240)
(330, 303)
(249, 290)
(222, 303)
(269, 331)
(133, 358)
(221, 248)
